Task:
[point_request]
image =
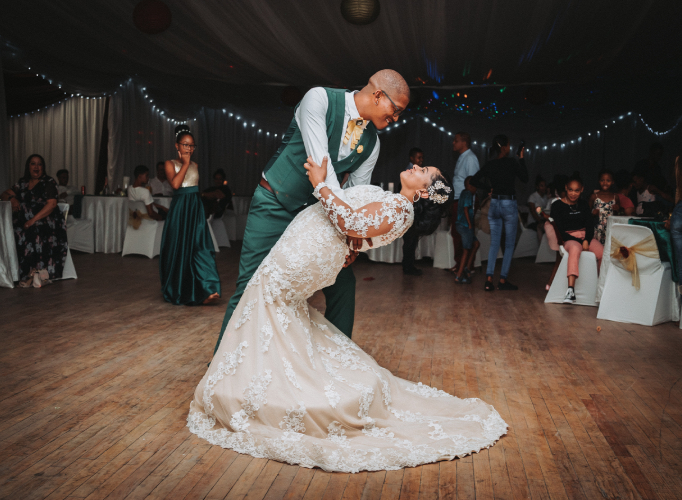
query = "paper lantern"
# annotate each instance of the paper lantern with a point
(152, 17)
(360, 11)
(291, 96)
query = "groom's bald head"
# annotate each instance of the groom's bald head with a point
(391, 82)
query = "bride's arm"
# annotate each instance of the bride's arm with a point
(373, 219)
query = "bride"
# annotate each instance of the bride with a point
(286, 385)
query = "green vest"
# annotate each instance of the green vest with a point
(285, 172)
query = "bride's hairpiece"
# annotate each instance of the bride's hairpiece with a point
(433, 192)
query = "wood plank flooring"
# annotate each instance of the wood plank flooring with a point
(97, 376)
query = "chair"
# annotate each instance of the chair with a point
(229, 219)
(80, 234)
(482, 254)
(444, 253)
(220, 233)
(69, 271)
(585, 285)
(209, 223)
(656, 300)
(527, 246)
(545, 253)
(145, 240)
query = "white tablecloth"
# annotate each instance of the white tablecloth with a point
(394, 252)
(241, 204)
(606, 259)
(164, 201)
(9, 262)
(109, 216)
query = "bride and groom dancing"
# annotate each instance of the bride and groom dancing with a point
(287, 383)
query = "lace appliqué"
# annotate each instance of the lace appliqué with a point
(293, 421)
(291, 375)
(428, 392)
(246, 313)
(283, 319)
(337, 435)
(228, 367)
(332, 396)
(265, 336)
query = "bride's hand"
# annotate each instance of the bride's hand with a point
(316, 173)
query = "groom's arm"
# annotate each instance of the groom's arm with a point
(311, 117)
(363, 175)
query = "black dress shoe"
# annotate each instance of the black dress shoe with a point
(413, 271)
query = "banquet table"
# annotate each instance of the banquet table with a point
(9, 261)
(606, 259)
(110, 217)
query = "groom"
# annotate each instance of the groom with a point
(327, 122)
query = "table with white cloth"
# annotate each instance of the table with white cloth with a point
(109, 216)
(235, 219)
(606, 259)
(9, 261)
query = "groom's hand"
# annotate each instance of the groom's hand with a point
(355, 244)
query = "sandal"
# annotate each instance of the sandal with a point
(489, 287)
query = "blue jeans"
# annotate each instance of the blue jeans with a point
(502, 213)
(676, 235)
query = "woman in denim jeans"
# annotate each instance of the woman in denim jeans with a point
(498, 176)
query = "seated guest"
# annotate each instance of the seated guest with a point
(465, 228)
(218, 197)
(39, 226)
(538, 199)
(159, 185)
(573, 219)
(624, 184)
(650, 199)
(137, 192)
(65, 191)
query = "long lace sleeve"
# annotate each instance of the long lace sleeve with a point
(388, 218)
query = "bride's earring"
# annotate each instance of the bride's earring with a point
(416, 197)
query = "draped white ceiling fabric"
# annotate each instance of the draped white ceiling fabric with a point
(67, 135)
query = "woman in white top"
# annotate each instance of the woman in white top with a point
(187, 265)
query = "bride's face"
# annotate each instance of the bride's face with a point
(418, 177)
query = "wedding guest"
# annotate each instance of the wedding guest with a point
(648, 197)
(138, 192)
(217, 198)
(675, 223)
(411, 238)
(538, 199)
(465, 228)
(65, 191)
(187, 266)
(573, 219)
(623, 182)
(466, 166)
(498, 176)
(604, 203)
(39, 225)
(159, 185)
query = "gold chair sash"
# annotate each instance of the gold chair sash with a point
(135, 218)
(626, 255)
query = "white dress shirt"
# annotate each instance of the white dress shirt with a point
(140, 194)
(311, 118)
(467, 164)
(164, 188)
(69, 190)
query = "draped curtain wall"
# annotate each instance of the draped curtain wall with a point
(67, 135)
(140, 135)
(5, 174)
(620, 146)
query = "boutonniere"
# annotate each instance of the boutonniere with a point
(354, 130)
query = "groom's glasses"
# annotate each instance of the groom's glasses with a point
(396, 109)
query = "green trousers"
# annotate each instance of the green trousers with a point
(266, 223)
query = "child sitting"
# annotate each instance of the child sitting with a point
(465, 228)
(604, 203)
(573, 219)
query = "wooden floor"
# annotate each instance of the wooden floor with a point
(98, 373)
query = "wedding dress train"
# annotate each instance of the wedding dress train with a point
(286, 385)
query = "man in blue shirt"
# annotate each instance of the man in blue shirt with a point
(467, 165)
(410, 239)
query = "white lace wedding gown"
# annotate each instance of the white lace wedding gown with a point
(285, 384)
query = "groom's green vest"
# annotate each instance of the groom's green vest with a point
(285, 172)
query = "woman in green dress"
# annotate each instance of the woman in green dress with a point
(189, 275)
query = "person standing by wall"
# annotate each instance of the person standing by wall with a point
(410, 238)
(498, 176)
(467, 166)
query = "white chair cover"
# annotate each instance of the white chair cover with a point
(209, 223)
(545, 254)
(657, 299)
(528, 245)
(146, 240)
(220, 233)
(9, 260)
(482, 254)
(69, 271)
(444, 253)
(585, 285)
(81, 234)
